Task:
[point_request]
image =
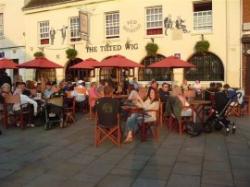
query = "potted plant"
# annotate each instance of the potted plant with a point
(151, 48)
(71, 53)
(39, 54)
(202, 46)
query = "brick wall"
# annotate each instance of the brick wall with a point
(246, 11)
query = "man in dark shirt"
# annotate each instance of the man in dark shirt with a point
(164, 92)
(107, 108)
(4, 78)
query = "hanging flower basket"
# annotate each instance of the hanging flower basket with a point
(151, 49)
(71, 53)
(202, 46)
(38, 54)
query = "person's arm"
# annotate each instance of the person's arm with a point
(26, 99)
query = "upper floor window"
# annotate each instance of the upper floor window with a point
(43, 32)
(112, 24)
(154, 23)
(75, 29)
(202, 15)
(1, 26)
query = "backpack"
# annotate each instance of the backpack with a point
(193, 129)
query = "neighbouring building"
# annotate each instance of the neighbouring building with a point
(101, 28)
(12, 32)
(246, 46)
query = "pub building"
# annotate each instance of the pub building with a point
(100, 29)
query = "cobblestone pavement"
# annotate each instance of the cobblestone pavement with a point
(68, 157)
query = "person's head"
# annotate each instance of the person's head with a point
(153, 95)
(93, 84)
(212, 85)
(197, 82)
(81, 82)
(218, 86)
(165, 87)
(20, 85)
(5, 88)
(108, 91)
(226, 86)
(154, 84)
(184, 82)
(48, 85)
(176, 91)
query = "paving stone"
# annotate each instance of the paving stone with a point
(217, 177)
(115, 181)
(156, 172)
(124, 172)
(216, 166)
(145, 182)
(183, 180)
(187, 169)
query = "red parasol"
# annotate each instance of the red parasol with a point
(89, 63)
(171, 62)
(7, 64)
(40, 63)
(118, 61)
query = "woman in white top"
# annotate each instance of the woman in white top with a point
(151, 103)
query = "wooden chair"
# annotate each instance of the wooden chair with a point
(161, 113)
(174, 121)
(69, 109)
(8, 112)
(152, 127)
(107, 121)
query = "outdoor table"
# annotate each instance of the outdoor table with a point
(198, 106)
(120, 96)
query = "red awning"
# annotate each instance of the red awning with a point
(89, 63)
(171, 62)
(119, 61)
(40, 63)
(7, 64)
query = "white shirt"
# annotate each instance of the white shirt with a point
(25, 99)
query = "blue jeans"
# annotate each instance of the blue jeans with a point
(133, 122)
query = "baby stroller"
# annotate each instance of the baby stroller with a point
(53, 113)
(217, 118)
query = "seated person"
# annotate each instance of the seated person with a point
(178, 105)
(133, 96)
(22, 86)
(230, 92)
(81, 94)
(132, 124)
(5, 90)
(93, 94)
(164, 92)
(24, 99)
(197, 88)
(185, 86)
(48, 92)
(107, 108)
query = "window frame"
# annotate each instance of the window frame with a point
(46, 39)
(162, 71)
(205, 67)
(199, 25)
(76, 38)
(160, 28)
(1, 25)
(112, 25)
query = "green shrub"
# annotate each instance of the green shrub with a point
(71, 53)
(151, 49)
(202, 46)
(39, 54)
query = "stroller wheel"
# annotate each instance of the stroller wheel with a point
(227, 131)
(234, 129)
